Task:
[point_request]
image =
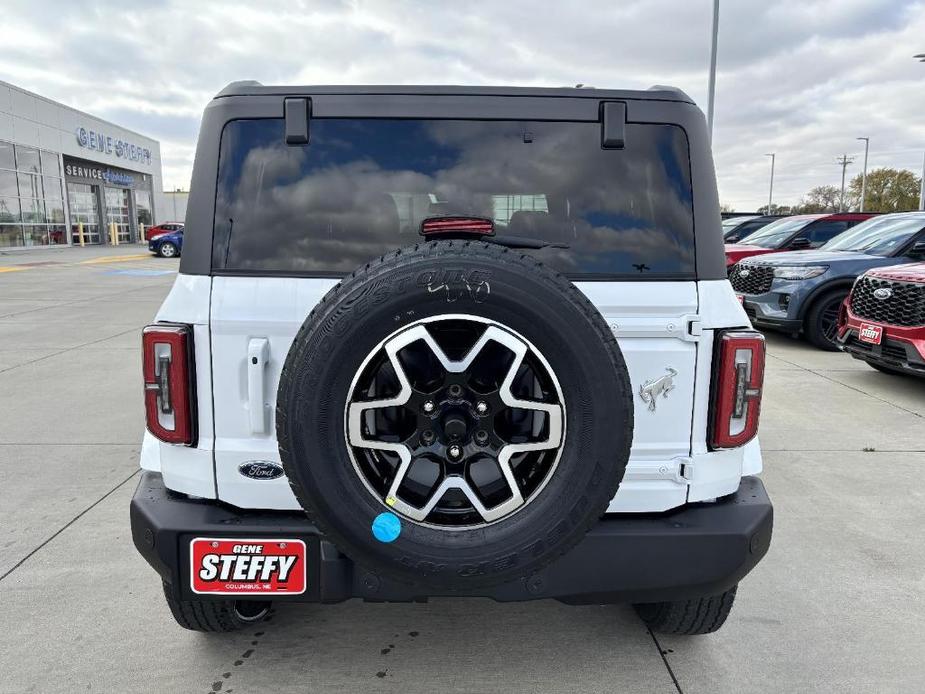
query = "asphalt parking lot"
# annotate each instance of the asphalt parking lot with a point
(836, 606)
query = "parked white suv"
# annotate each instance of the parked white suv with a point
(452, 341)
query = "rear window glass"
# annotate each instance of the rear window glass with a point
(362, 187)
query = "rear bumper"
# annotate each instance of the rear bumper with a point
(699, 550)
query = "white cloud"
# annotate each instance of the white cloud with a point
(802, 78)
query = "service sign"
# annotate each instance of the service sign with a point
(871, 333)
(219, 566)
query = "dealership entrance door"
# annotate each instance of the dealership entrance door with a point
(83, 202)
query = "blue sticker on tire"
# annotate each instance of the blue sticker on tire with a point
(386, 527)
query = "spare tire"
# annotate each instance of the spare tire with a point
(454, 415)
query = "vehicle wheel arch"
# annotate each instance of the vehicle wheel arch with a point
(816, 293)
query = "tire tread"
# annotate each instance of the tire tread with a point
(688, 617)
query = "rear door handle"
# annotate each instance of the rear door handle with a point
(258, 352)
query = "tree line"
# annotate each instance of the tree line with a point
(888, 190)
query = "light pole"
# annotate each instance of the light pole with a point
(712, 87)
(864, 174)
(773, 156)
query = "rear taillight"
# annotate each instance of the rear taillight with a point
(167, 354)
(738, 380)
(476, 226)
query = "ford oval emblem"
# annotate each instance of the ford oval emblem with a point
(883, 293)
(261, 470)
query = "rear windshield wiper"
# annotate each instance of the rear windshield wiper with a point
(481, 228)
(523, 242)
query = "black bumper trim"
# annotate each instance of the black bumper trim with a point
(895, 354)
(695, 551)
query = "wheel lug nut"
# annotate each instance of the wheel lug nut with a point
(481, 407)
(454, 452)
(481, 437)
(427, 436)
(429, 406)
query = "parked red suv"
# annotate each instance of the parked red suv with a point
(795, 233)
(882, 321)
(165, 228)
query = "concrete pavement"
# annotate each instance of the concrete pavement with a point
(835, 606)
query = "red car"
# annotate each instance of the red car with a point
(165, 228)
(795, 233)
(882, 321)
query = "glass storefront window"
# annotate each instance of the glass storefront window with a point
(35, 235)
(8, 185)
(30, 185)
(27, 159)
(9, 210)
(33, 211)
(143, 208)
(50, 165)
(57, 235)
(54, 211)
(51, 186)
(7, 160)
(10, 235)
(31, 197)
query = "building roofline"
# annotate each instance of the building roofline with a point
(77, 110)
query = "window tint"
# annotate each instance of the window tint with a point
(362, 187)
(823, 231)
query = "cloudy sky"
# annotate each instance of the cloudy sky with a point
(802, 78)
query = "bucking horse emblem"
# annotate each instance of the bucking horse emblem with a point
(650, 390)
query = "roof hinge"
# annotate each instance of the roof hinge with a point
(613, 124)
(297, 112)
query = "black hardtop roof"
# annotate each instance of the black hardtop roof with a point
(654, 93)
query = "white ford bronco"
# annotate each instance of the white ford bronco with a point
(452, 341)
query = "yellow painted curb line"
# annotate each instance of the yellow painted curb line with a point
(14, 269)
(115, 259)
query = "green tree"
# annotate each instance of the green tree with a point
(775, 209)
(819, 199)
(888, 190)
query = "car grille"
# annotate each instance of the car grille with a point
(751, 279)
(906, 305)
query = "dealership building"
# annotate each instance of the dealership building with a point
(67, 177)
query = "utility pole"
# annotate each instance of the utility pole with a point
(922, 187)
(864, 175)
(712, 86)
(773, 155)
(844, 161)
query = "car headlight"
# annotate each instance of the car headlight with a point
(156, 237)
(799, 272)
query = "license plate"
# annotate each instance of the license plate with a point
(219, 566)
(871, 333)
